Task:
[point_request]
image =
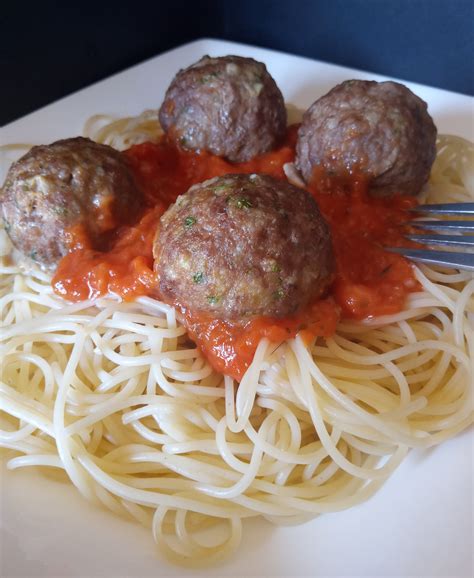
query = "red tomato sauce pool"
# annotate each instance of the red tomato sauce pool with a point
(369, 280)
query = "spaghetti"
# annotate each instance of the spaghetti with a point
(115, 395)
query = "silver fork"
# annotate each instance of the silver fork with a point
(462, 242)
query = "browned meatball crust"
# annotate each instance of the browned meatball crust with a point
(55, 187)
(243, 245)
(229, 106)
(381, 129)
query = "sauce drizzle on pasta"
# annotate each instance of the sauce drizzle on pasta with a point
(370, 281)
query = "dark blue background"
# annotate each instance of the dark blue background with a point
(50, 49)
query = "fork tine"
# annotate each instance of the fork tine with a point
(455, 260)
(444, 258)
(446, 209)
(447, 225)
(449, 240)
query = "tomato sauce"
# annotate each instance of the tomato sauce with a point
(125, 269)
(369, 280)
(230, 346)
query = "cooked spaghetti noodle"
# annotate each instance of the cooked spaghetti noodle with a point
(116, 396)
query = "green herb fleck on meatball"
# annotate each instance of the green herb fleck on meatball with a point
(240, 202)
(275, 268)
(189, 222)
(198, 278)
(278, 294)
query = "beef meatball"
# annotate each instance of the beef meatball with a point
(243, 245)
(381, 129)
(58, 186)
(229, 106)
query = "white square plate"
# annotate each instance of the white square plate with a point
(419, 524)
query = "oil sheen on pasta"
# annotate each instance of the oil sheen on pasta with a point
(370, 281)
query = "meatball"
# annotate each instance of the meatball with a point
(58, 186)
(229, 106)
(243, 245)
(381, 129)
